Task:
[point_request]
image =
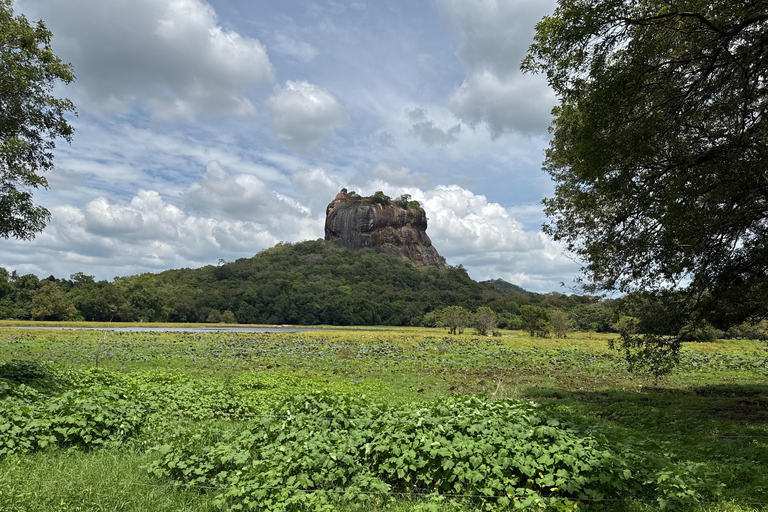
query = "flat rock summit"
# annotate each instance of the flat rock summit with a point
(389, 226)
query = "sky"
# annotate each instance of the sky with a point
(210, 131)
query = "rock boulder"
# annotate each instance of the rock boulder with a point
(397, 227)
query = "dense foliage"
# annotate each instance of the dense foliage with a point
(31, 119)
(318, 449)
(307, 283)
(658, 154)
(659, 147)
(43, 406)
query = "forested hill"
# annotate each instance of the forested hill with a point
(307, 283)
(505, 286)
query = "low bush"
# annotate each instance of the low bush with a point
(25, 372)
(86, 419)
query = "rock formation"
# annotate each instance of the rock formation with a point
(387, 226)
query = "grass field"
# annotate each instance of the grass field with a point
(382, 420)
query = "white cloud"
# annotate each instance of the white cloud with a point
(305, 114)
(114, 160)
(147, 233)
(170, 56)
(520, 103)
(466, 228)
(316, 187)
(458, 214)
(494, 34)
(493, 37)
(428, 132)
(399, 176)
(104, 218)
(238, 196)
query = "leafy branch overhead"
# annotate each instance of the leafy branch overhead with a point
(660, 144)
(31, 118)
(659, 148)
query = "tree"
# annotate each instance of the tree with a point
(51, 303)
(381, 198)
(31, 118)
(24, 289)
(485, 320)
(146, 300)
(79, 279)
(536, 320)
(180, 302)
(659, 149)
(561, 324)
(430, 319)
(102, 302)
(596, 317)
(214, 317)
(455, 318)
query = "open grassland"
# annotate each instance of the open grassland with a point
(389, 419)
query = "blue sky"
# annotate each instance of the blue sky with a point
(211, 130)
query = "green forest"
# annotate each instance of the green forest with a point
(306, 283)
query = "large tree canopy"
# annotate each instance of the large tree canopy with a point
(31, 118)
(660, 148)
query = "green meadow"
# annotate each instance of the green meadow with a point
(377, 419)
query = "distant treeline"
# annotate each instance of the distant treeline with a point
(306, 283)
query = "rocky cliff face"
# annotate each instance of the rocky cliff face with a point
(389, 227)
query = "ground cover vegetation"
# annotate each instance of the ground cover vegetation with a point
(382, 420)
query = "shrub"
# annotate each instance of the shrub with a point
(749, 331)
(702, 332)
(87, 419)
(430, 319)
(25, 372)
(380, 198)
(402, 201)
(627, 325)
(214, 317)
(509, 321)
